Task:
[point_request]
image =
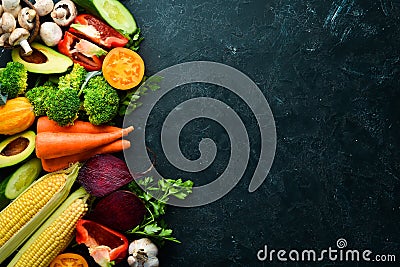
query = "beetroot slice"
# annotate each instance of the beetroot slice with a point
(103, 174)
(121, 210)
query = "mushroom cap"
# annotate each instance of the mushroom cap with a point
(50, 33)
(64, 12)
(44, 7)
(14, 11)
(8, 22)
(18, 35)
(4, 38)
(10, 4)
(26, 18)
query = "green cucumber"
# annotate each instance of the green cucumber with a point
(22, 178)
(3, 200)
(113, 12)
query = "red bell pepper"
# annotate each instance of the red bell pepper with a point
(105, 245)
(90, 27)
(81, 51)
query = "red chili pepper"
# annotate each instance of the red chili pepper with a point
(81, 51)
(105, 245)
(90, 27)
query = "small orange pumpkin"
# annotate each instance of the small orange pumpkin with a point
(16, 116)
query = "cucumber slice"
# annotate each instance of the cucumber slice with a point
(22, 178)
(116, 15)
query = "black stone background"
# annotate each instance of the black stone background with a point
(330, 72)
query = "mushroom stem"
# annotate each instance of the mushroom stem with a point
(26, 47)
(31, 15)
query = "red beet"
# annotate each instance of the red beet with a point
(121, 210)
(103, 174)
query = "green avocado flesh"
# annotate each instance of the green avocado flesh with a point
(16, 148)
(43, 59)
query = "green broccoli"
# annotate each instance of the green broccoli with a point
(13, 79)
(74, 79)
(63, 106)
(38, 96)
(101, 101)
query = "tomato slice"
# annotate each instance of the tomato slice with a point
(69, 260)
(123, 68)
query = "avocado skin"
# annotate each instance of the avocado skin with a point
(43, 60)
(6, 161)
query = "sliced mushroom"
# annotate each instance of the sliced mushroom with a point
(15, 11)
(50, 33)
(44, 7)
(64, 13)
(10, 4)
(1, 10)
(26, 18)
(4, 38)
(8, 22)
(20, 37)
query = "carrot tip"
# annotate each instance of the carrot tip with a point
(128, 130)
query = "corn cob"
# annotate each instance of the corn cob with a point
(54, 235)
(32, 207)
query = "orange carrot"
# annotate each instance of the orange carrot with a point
(54, 145)
(44, 124)
(56, 164)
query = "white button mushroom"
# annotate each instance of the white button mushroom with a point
(10, 4)
(14, 11)
(50, 33)
(44, 7)
(20, 37)
(143, 253)
(64, 12)
(8, 22)
(4, 38)
(26, 18)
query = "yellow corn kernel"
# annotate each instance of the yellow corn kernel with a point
(54, 235)
(31, 208)
(20, 211)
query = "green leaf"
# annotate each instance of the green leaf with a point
(165, 232)
(152, 228)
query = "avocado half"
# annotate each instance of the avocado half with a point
(16, 148)
(42, 60)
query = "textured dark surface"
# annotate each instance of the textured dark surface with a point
(330, 72)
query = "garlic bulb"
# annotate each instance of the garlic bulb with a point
(143, 253)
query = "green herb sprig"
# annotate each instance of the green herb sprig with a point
(155, 202)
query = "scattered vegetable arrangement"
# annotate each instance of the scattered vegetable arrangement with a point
(68, 198)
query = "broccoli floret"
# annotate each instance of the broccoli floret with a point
(74, 79)
(101, 101)
(38, 96)
(63, 106)
(13, 79)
